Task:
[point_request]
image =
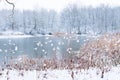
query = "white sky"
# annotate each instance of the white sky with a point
(57, 5)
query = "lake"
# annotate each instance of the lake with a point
(39, 46)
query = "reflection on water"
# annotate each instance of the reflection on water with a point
(43, 46)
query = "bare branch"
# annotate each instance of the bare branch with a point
(11, 15)
(12, 8)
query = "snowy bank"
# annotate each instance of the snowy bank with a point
(13, 34)
(90, 74)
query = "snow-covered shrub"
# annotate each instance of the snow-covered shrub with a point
(102, 52)
(23, 62)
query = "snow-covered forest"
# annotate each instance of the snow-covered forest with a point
(71, 19)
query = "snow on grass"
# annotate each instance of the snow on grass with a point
(65, 74)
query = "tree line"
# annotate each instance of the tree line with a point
(72, 19)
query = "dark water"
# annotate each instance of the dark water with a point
(43, 46)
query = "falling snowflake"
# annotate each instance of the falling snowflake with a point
(78, 41)
(62, 43)
(43, 50)
(51, 44)
(53, 49)
(16, 48)
(41, 45)
(59, 43)
(6, 51)
(35, 48)
(0, 50)
(45, 53)
(58, 48)
(47, 38)
(38, 44)
(46, 42)
(4, 44)
(50, 41)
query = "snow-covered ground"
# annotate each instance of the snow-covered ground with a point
(13, 34)
(91, 74)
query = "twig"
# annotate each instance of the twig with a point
(12, 8)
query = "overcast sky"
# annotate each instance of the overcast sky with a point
(57, 5)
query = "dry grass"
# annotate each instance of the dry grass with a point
(103, 52)
(26, 63)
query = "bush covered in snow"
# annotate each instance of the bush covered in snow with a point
(26, 63)
(102, 52)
